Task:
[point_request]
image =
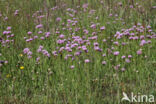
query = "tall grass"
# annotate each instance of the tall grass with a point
(52, 80)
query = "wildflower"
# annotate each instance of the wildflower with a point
(29, 53)
(16, 12)
(142, 37)
(139, 52)
(86, 31)
(143, 42)
(117, 67)
(104, 62)
(58, 19)
(154, 7)
(94, 33)
(104, 40)
(85, 6)
(6, 18)
(21, 55)
(61, 36)
(40, 32)
(102, 28)
(22, 67)
(87, 60)
(104, 55)
(97, 18)
(12, 35)
(29, 56)
(37, 59)
(9, 28)
(123, 57)
(72, 67)
(129, 56)
(96, 44)
(77, 53)
(93, 26)
(54, 53)
(42, 38)
(61, 49)
(123, 69)
(47, 34)
(39, 26)
(116, 43)
(116, 53)
(29, 40)
(8, 75)
(29, 33)
(26, 50)
(131, 6)
(97, 48)
(60, 41)
(127, 61)
(6, 62)
(1, 61)
(35, 37)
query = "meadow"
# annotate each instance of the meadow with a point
(76, 51)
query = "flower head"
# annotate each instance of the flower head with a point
(87, 60)
(116, 53)
(8, 75)
(22, 67)
(139, 52)
(72, 67)
(104, 62)
(102, 28)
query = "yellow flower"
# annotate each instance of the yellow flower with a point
(8, 75)
(22, 67)
(21, 55)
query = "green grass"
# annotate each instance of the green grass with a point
(52, 81)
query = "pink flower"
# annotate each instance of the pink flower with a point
(102, 28)
(72, 67)
(116, 43)
(42, 38)
(61, 36)
(39, 26)
(123, 57)
(117, 67)
(37, 59)
(9, 28)
(16, 12)
(139, 52)
(104, 62)
(86, 31)
(85, 6)
(129, 56)
(87, 60)
(40, 32)
(93, 26)
(123, 69)
(143, 42)
(58, 19)
(26, 50)
(29, 57)
(47, 34)
(127, 61)
(116, 53)
(104, 55)
(29, 33)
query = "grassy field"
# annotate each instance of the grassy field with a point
(77, 51)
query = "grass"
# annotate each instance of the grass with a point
(51, 80)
